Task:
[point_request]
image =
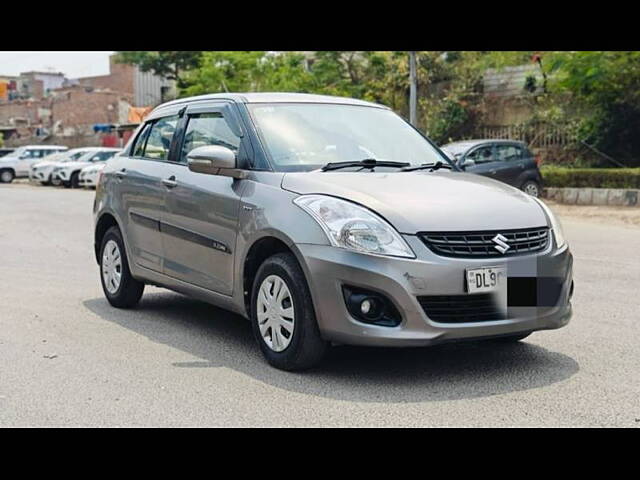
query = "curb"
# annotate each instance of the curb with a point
(620, 197)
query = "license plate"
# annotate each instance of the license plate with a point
(486, 279)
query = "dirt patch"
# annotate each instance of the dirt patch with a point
(627, 216)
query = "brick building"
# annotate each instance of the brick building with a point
(142, 88)
(66, 111)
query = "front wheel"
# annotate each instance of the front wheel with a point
(532, 188)
(74, 181)
(6, 176)
(119, 286)
(282, 315)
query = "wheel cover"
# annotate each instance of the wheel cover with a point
(111, 266)
(6, 176)
(531, 189)
(275, 312)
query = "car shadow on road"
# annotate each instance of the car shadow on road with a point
(444, 372)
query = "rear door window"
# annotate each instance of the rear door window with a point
(160, 136)
(508, 153)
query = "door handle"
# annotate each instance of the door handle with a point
(493, 172)
(170, 182)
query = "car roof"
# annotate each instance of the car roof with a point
(273, 97)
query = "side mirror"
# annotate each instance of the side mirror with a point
(467, 163)
(214, 160)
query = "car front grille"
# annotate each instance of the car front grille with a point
(461, 308)
(484, 243)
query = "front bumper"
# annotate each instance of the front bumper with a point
(404, 280)
(40, 175)
(87, 179)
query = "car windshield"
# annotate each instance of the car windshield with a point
(456, 149)
(302, 137)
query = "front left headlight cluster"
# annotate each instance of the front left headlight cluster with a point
(555, 224)
(354, 227)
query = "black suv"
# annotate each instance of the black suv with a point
(505, 160)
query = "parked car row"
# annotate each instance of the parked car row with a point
(55, 164)
(68, 173)
(505, 160)
(18, 163)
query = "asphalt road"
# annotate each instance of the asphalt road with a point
(68, 359)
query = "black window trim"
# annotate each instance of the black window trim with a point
(232, 119)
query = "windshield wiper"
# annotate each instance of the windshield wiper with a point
(431, 166)
(365, 163)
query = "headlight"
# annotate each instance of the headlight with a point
(354, 227)
(555, 224)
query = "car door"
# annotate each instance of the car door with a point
(484, 160)
(141, 191)
(199, 228)
(28, 157)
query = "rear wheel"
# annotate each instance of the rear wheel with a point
(6, 176)
(282, 315)
(120, 288)
(532, 188)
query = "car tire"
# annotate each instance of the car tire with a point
(74, 181)
(6, 176)
(305, 347)
(122, 291)
(56, 182)
(532, 188)
(511, 338)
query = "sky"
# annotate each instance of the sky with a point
(72, 64)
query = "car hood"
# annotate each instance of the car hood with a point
(427, 201)
(73, 165)
(44, 164)
(8, 158)
(94, 168)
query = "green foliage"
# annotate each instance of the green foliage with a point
(594, 94)
(1, 139)
(248, 71)
(168, 64)
(590, 177)
(607, 86)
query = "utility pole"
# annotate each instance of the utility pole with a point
(413, 90)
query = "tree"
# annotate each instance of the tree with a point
(248, 71)
(606, 86)
(1, 139)
(168, 64)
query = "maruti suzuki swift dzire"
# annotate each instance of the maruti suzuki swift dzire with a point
(325, 221)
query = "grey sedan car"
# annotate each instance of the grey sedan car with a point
(506, 160)
(325, 221)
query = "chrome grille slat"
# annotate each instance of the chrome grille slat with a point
(480, 244)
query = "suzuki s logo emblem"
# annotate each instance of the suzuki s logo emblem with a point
(501, 243)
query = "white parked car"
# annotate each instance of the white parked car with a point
(41, 171)
(89, 175)
(68, 173)
(18, 163)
